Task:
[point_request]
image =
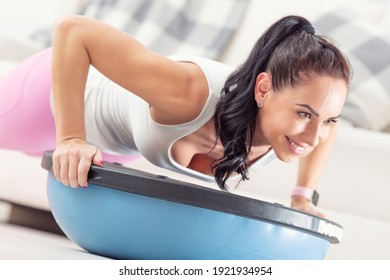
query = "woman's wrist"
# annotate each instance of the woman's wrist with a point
(66, 140)
(301, 192)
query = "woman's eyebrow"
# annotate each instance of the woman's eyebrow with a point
(309, 108)
(313, 111)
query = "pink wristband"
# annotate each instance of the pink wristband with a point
(306, 192)
(303, 191)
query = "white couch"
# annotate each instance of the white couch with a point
(354, 188)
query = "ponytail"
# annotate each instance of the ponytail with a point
(287, 49)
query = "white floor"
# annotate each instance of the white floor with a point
(20, 243)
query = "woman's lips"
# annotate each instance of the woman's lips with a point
(295, 148)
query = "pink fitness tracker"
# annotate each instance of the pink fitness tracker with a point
(306, 192)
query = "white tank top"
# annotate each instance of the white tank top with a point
(118, 121)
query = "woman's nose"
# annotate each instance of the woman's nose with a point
(314, 134)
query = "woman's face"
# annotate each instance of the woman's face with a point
(294, 121)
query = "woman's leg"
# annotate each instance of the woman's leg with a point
(26, 121)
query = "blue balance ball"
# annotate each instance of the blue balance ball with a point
(129, 214)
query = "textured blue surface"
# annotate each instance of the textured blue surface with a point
(123, 225)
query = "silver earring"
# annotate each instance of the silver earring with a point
(260, 104)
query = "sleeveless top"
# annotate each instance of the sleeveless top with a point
(118, 121)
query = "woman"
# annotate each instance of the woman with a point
(194, 115)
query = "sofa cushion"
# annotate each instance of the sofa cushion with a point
(191, 27)
(168, 27)
(6, 66)
(387, 129)
(367, 46)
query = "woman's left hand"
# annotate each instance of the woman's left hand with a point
(302, 204)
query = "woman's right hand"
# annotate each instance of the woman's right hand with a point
(72, 160)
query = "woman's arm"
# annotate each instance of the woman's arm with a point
(310, 170)
(79, 42)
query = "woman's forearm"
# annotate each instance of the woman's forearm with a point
(309, 173)
(312, 166)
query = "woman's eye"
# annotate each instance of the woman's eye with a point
(304, 115)
(331, 122)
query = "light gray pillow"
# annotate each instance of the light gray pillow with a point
(191, 27)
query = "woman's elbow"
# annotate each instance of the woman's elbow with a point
(68, 27)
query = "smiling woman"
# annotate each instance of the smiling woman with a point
(190, 114)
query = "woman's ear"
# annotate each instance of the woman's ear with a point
(263, 86)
